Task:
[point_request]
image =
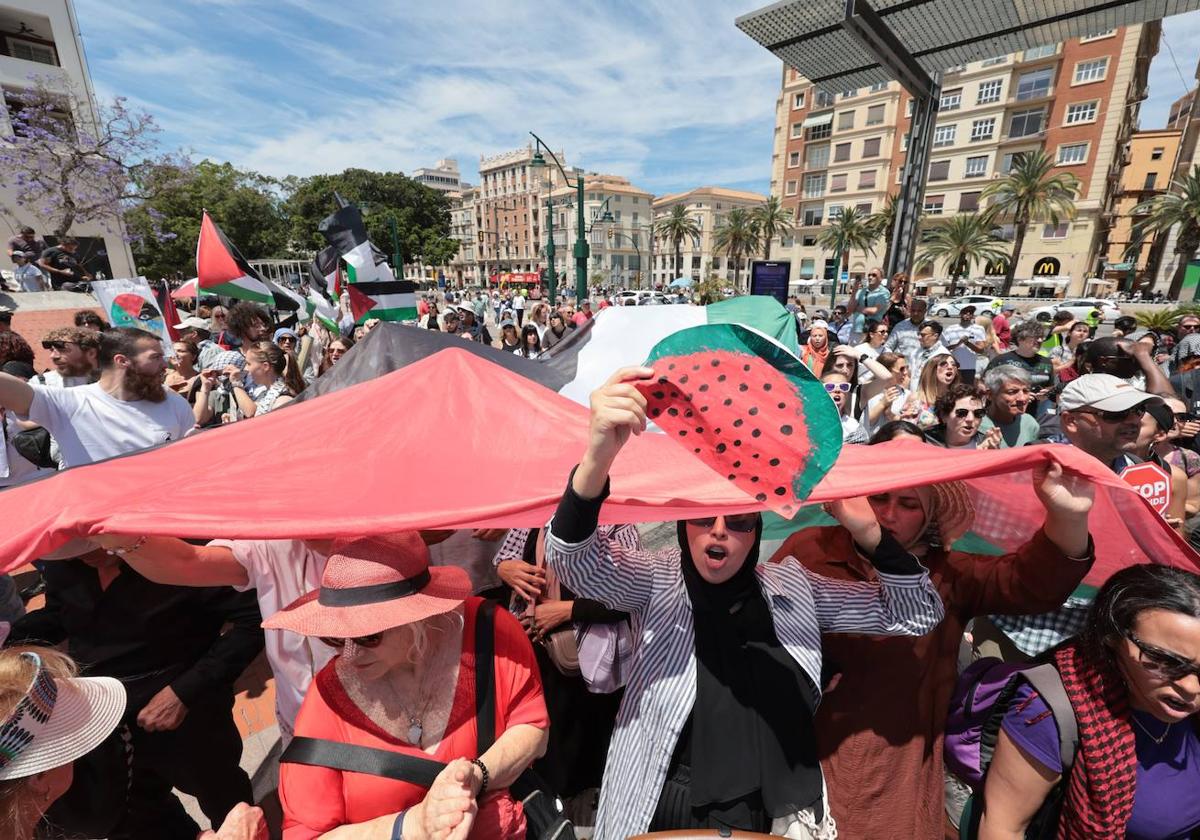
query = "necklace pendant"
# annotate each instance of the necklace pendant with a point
(414, 733)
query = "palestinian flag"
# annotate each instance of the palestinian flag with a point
(325, 273)
(345, 232)
(389, 300)
(162, 294)
(222, 270)
(322, 311)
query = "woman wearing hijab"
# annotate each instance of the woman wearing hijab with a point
(880, 726)
(816, 349)
(715, 728)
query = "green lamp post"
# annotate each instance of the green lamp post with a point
(581, 245)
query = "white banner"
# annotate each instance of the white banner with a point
(129, 302)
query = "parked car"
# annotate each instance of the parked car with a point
(1079, 308)
(642, 297)
(951, 308)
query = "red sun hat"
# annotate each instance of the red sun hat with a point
(374, 584)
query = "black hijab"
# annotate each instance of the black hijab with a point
(752, 725)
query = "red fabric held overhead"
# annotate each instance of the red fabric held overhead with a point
(454, 441)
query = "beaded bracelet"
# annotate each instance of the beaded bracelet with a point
(138, 543)
(487, 777)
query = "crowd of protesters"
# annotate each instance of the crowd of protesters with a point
(801, 690)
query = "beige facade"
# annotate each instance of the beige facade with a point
(464, 268)
(1149, 159)
(708, 206)
(40, 38)
(1076, 100)
(620, 250)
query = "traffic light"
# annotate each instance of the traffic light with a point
(610, 234)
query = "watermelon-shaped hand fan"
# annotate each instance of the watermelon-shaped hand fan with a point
(748, 408)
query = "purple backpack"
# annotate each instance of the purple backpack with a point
(984, 692)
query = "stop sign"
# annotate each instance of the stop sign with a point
(1152, 482)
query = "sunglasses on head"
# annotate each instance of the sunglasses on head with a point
(742, 523)
(961, 413)
(1163, 663)
(1117, 416)
(370, 641)
(831, 387)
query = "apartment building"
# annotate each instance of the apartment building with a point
(1184, 116)
(708, 206)
(442, 176)
(463, 268)
(1076, 100)
(41, 38)
(620, 250)
(1148, 162)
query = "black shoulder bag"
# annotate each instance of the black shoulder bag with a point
(544, 815)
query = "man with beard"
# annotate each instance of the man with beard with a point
(73, 353)
(126, 410)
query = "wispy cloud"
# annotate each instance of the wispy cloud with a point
(671, 96)
(1177, 56)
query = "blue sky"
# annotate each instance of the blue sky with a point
(669, 94)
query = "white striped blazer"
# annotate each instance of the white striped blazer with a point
(662, 686)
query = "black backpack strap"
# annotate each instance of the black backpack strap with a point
(485, 676)
(1047, 682)
(352, 758)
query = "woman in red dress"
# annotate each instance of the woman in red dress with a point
(404, 681)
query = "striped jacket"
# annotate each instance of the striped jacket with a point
(662, 686)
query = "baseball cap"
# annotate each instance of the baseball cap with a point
(1008, 307)
(193, 323)
(508, 323)
(5, 314)
(1102, 392)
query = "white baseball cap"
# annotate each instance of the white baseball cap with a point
(1102, 392)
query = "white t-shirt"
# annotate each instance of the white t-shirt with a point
(964, 355)
(91, 425)
(518, 302)
(54, 379)
(281, 571)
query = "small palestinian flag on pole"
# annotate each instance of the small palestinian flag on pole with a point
(326, 274)
(345, 231)
(222, 270)
(389, 300)
(322, 311)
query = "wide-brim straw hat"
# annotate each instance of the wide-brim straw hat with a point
(57, 722)
(371, 585)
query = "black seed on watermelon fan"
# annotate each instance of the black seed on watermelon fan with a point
(683, 432)
(756, 433)
(786, 430)
(737, 423)
(752, 411)
(654, 412)
(754, 479)
(780, 491)
(699, 429)
(674, 412)
(671, 366)
(717, 430)
(703, 388)
(774, 462)
(683, 379)
(721, 378)
(743, 387)
(746, 368)
(674, 395)
(783, 405)
(704, 408)
(760, 497)
(662, 380)
(766, 386)
(727, 401)
(659, 395)
(716, 362)
(688, 413)
(737, 464)
(732, 476)
(756, 455)
(721, 447)
(697, 450)
(737, 443)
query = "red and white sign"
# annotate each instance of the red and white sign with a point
(1152, 482)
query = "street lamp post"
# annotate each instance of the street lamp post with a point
(581, 245)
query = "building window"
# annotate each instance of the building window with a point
(976, 167)
(814, 185)
(29, 51)
(1027, 123)
(908, 108)
(1157, 153)
(934, 204)
(819, 132)
(866, 179)
(1009, 161)
(808, 240)
(817, 157)
(1034, 85)
(841, 152)
(983, 129)
(823, 99)
(791, 188)
(845, 120)
(878, 86)
(993, 61)
(798, 100)
(1081, 112)
(875, 114)
(944, 135)
(1090, 71)
(1151, 177)
(904, 142)
(1073, 153)
(871, 147)
(989, 91)
(812, 216)
(1058, 231)
(1040, 52)
(835, 211)
(1108, 33)
(939, 170)
(968, 202)
(863, 209)
(808, 266)
(951, 100)
(793, 159)
(850, 93)
(837, 183)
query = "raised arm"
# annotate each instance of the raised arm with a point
(172, 561)
(16, 394)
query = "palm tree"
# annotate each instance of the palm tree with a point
(675, 228)
(1026, 193)
(883, 222)
(961, 241)
(772, 220)
(737, 236)
(1180, 205)
(848, 232)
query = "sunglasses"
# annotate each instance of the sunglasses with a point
(742, 523)
(832, 387)
(56, 345)
(371, 641)
(1117, 416)
(287, 340)
(948, 363)
(1184, 417)
(977, 413)
(1162, 663)
(1189, 327)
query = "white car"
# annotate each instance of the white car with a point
(644, 297)
(951, 308)
(1079, 308)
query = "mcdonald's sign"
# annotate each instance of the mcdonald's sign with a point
(1047, 267)
(996, 268)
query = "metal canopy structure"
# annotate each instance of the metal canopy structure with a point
(812, 36)
(845, 44)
